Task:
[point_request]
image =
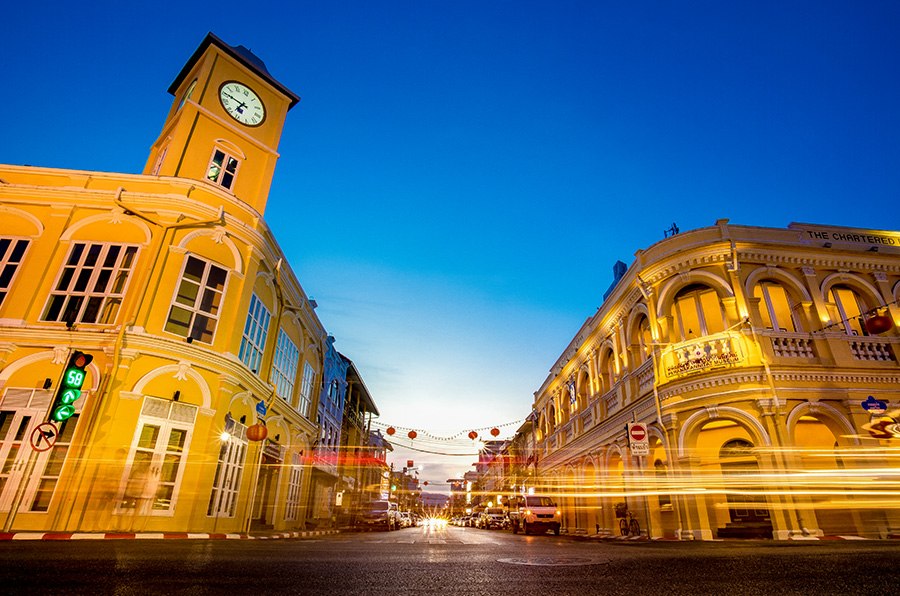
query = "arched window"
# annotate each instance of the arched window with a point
(698, 312)
(607, 371)
(850, 307)
(645, 338)
(584, 390)
(736, 448)
(778, 309)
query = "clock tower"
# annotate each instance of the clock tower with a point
(225, 123)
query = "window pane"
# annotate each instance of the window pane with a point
(18, 251)
(217, 277)
(179, 321)
(65, 279)
(7, 274)
(75, 256)
(194, 269)
(176, 439)
(149, 436)
(55, 461)
(187, 293)
(102, 280)
(44, 494)
(93, 254)
(712, 312)
(169, 468)
(780, 307)
(688, 318)
(90, 312)
(111, 256)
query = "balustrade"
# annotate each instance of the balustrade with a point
(792, 346)
(611, 400)
(871, 349)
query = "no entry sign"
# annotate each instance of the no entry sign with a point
(638, 432)
(637, 438)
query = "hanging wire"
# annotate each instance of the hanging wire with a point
(863, 316)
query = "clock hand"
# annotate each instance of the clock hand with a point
(233, 98)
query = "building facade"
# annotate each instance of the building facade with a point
(358, 467)
(747, 357)
(201, 337)
(325, 455)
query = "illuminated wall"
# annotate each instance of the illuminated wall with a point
(747, 352)
(198, 328)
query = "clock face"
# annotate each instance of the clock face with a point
(242, 103)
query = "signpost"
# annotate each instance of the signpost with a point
(638, 438)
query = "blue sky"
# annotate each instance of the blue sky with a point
(459, 177)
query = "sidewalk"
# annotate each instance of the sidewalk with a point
(160, 535)
(644, 538)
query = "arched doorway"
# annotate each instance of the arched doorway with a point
(747, 509)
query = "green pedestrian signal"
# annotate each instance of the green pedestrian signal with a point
(70, 388)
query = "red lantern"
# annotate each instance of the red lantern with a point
(879, 324)
(425, 483)
(257, 432)
(391, 430)
(473, 435)
(495, 431)
(412, 434)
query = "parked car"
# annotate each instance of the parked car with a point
(493, 518)
(406, 520)
(379, 514)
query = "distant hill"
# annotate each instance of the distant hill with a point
(434, 499)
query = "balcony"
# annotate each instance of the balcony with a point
(872, 349)
(791, 345)
(644, 374)
(611, 401)
(722, 350)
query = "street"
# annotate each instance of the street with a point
(447, 560)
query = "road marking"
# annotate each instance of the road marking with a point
(554, 561)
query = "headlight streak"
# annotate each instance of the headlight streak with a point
(845, 478)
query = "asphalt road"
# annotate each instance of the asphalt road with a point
(457, 561)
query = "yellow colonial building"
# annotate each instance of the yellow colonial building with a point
(198, 329)
(736, 382)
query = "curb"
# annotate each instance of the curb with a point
(7, 536)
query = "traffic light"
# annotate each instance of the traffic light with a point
(70, 387)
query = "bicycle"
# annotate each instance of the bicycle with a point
(629, 526)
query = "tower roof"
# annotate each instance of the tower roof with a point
(239, 53)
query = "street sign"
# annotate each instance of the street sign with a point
(637, 438)
(261, 408)
(874, 406)
(44, 436)
(637, 432)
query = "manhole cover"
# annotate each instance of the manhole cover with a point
(553, 561)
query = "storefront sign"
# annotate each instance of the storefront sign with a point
(855, 237)
(704, 355)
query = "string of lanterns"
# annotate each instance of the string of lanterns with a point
(391, 431)
(876, 320)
